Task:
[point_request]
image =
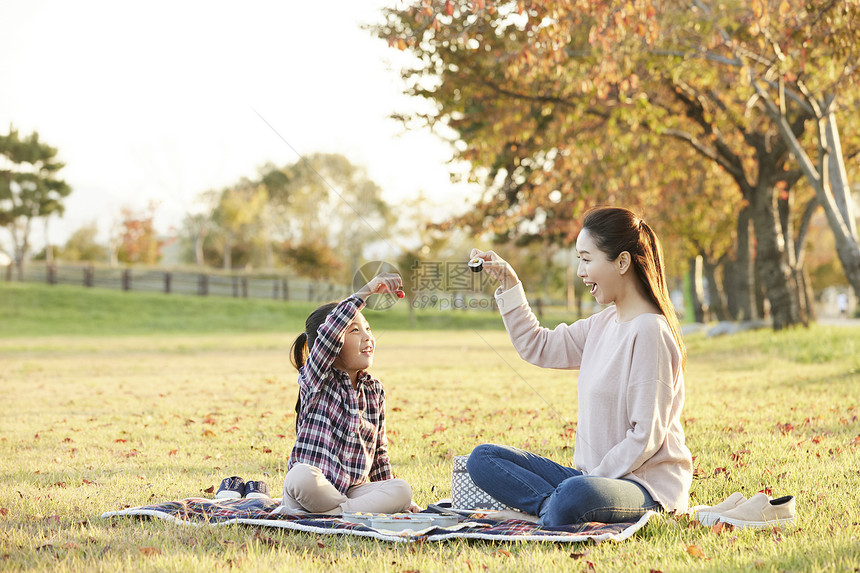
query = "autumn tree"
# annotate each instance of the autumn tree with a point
(324, 197)
(29, 187)
(321, 206)
(237, 215)
(578, 101)
(82, 245)
(137, 241)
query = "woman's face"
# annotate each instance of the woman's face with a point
(600, 275)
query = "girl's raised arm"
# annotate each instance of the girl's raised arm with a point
(329, 339)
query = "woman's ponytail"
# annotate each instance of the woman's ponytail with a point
(616, 230)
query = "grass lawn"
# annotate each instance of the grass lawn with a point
(122, 399)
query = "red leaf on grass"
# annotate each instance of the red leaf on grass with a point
(736, 456)
(766, 491)
(4, 511)
(722, 526)
(208, 434)
(120, 440)
(209, 489)
(785, 428)
(172, 452)
(502, 552)
(146, 550)
(696, 551)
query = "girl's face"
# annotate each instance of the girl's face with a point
(358, 346)
(600, 275)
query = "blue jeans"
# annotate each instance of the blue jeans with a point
(558, 495)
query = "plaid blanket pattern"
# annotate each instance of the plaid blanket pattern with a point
(202, 512)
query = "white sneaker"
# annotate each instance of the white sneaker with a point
(760, 511)
(709, 515)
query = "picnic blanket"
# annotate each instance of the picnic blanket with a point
(261, 512)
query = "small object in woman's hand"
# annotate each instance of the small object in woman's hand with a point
(476, 264)
(399, 292)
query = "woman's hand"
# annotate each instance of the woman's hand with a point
(497, 267)
(414, 508)
(381, 283)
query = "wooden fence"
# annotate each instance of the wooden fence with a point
(237, 285)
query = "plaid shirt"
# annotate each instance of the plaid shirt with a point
(340, 430)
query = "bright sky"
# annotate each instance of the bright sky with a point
(156, 100)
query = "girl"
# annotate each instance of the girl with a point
(629, 453)
(340, 460)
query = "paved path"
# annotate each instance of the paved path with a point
(839, 321)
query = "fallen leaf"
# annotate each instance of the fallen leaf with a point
(721, 527)
(209, 489)
(146, 550)
(70, 545)
(503, 552)
(785, 428)
(696, 551)
(208, 434)
(266, 540)
(120, 440)
(4, 511)
(172, 452)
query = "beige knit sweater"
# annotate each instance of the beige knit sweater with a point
(631, 391)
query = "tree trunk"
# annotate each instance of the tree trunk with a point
(807, 295)
(199, 256)
(743, 277)
(771, 259)
(840, 213)
(696, 290)
(793, 257)
(49, 251)
(716, 296)
(829, 178)
(228, 253)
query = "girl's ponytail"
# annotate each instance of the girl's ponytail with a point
(305, 341)
(299, 350)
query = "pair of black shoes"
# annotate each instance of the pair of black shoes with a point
(235, 488)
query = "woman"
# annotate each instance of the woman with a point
(629, 454)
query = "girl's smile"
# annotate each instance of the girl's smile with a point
(356, 354)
